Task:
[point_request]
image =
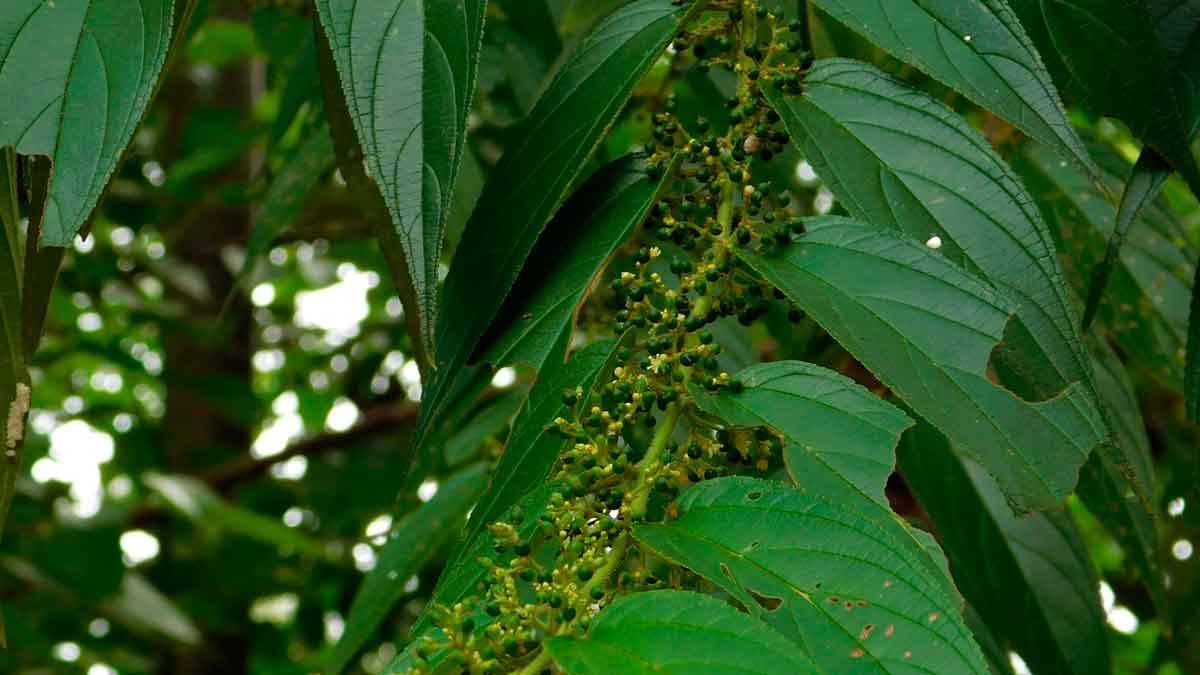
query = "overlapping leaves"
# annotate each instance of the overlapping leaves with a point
(927, 329)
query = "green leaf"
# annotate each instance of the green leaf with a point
(463, 574)
(1117, 483)
(926, 329)
(566, 262)
(197, 502)
(842, 436)
(484, 425)
(977, 48)
(79, 76)
(1146, 180)
(1029, 577)
(896, 157)
(411, 544)
(856, 593)
(1109, 55)
(287, 195)
(1148, 292)
(1191, 368)
(678, 632)
(407, 69)
(532, 448)
(12, 356)
(537, 25)
(535, 175)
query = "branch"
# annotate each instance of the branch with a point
(374, 421)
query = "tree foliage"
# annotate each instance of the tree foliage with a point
(599, 336)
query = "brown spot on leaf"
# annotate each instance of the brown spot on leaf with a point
(889, 631)
(866, 631)
(857, 654)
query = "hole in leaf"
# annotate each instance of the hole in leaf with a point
(766, 602)
(727, 572)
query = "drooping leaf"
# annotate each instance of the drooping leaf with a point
(1146, 180)
(1028, 577)
(566, 261)
(79, 76)
(535, 175)
(407, 69)
(858, 597)
(678, 632)
(1146, 311)
(194, 500)
(976, 47)
(463, 573)
(927, 329)
(896, 157)
(842, 436)
(411, 544)
(1117, 483)
(1109, 56)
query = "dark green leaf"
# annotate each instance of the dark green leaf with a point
(1109, 55)
(1148, 290)
(411, 544)
(1191, 368)
(678, 632)
(407, 69)
(66, 65)
(896, 157)
(859, 595)
(536, 23)
(566, 261)
(535, 175)
(1146, 180)
(927, 329)
(1117, 483)
(842, 437)
(976, 47)
(12, 358)
(1029, 577)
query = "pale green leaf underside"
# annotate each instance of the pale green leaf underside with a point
(407, 69)
(411, 544)
(77, 76)
(927, 329)
(896, 157)
(842, 436)
(976, 47)
(678, 633)
(857, 594)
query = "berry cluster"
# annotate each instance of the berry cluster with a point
(634, 441)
